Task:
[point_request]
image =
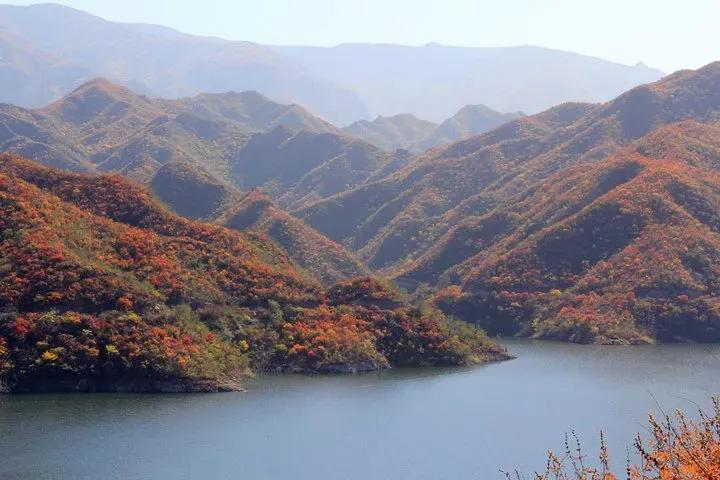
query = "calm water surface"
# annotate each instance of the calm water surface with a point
(402, 424)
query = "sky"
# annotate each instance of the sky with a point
(666, 34)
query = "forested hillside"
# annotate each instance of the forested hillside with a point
(101, 288)
(542, 225)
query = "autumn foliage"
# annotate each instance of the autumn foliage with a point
(101, 288)
(322, 258)
(585, 222)
(678, 448)
(115, 351)
(622, 251)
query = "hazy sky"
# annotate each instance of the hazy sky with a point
(667, 34)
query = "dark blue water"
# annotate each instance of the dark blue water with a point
(402, 424)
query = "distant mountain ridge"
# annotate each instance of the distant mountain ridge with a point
(406, 131)
(398, 131)
(48, 49)
(469, 121)
(435, 81)
(103, 126)
(69, 47)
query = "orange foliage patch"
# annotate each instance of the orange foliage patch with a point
(678, 449)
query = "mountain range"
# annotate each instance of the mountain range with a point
(585, 222)
(588, 222)
(106, 127)
(439, 223)
(103, 289)
(200, 155)
(67, 47)
(48, 49)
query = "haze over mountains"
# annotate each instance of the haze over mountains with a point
(47, 50)
(435, 81)
(148, 59)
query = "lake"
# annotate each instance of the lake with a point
(401, 424)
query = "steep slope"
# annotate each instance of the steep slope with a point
(398, 218)
(182, 138)
(693, 143)
(191, 191)
(194, 193)
(324, 259)
(391, 133)
(32, 134)
(301, 167)
(156, 60)
(103, 289)
(435, 81)
(469, 121)
(625, 250)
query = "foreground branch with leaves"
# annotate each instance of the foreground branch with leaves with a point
(678, 448)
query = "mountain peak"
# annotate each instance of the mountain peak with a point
(469, 121)
(391, 132)
(478, 108)
(398, 116)
(51, 6)
(256, 109)
(100, 83)
(97, 99)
